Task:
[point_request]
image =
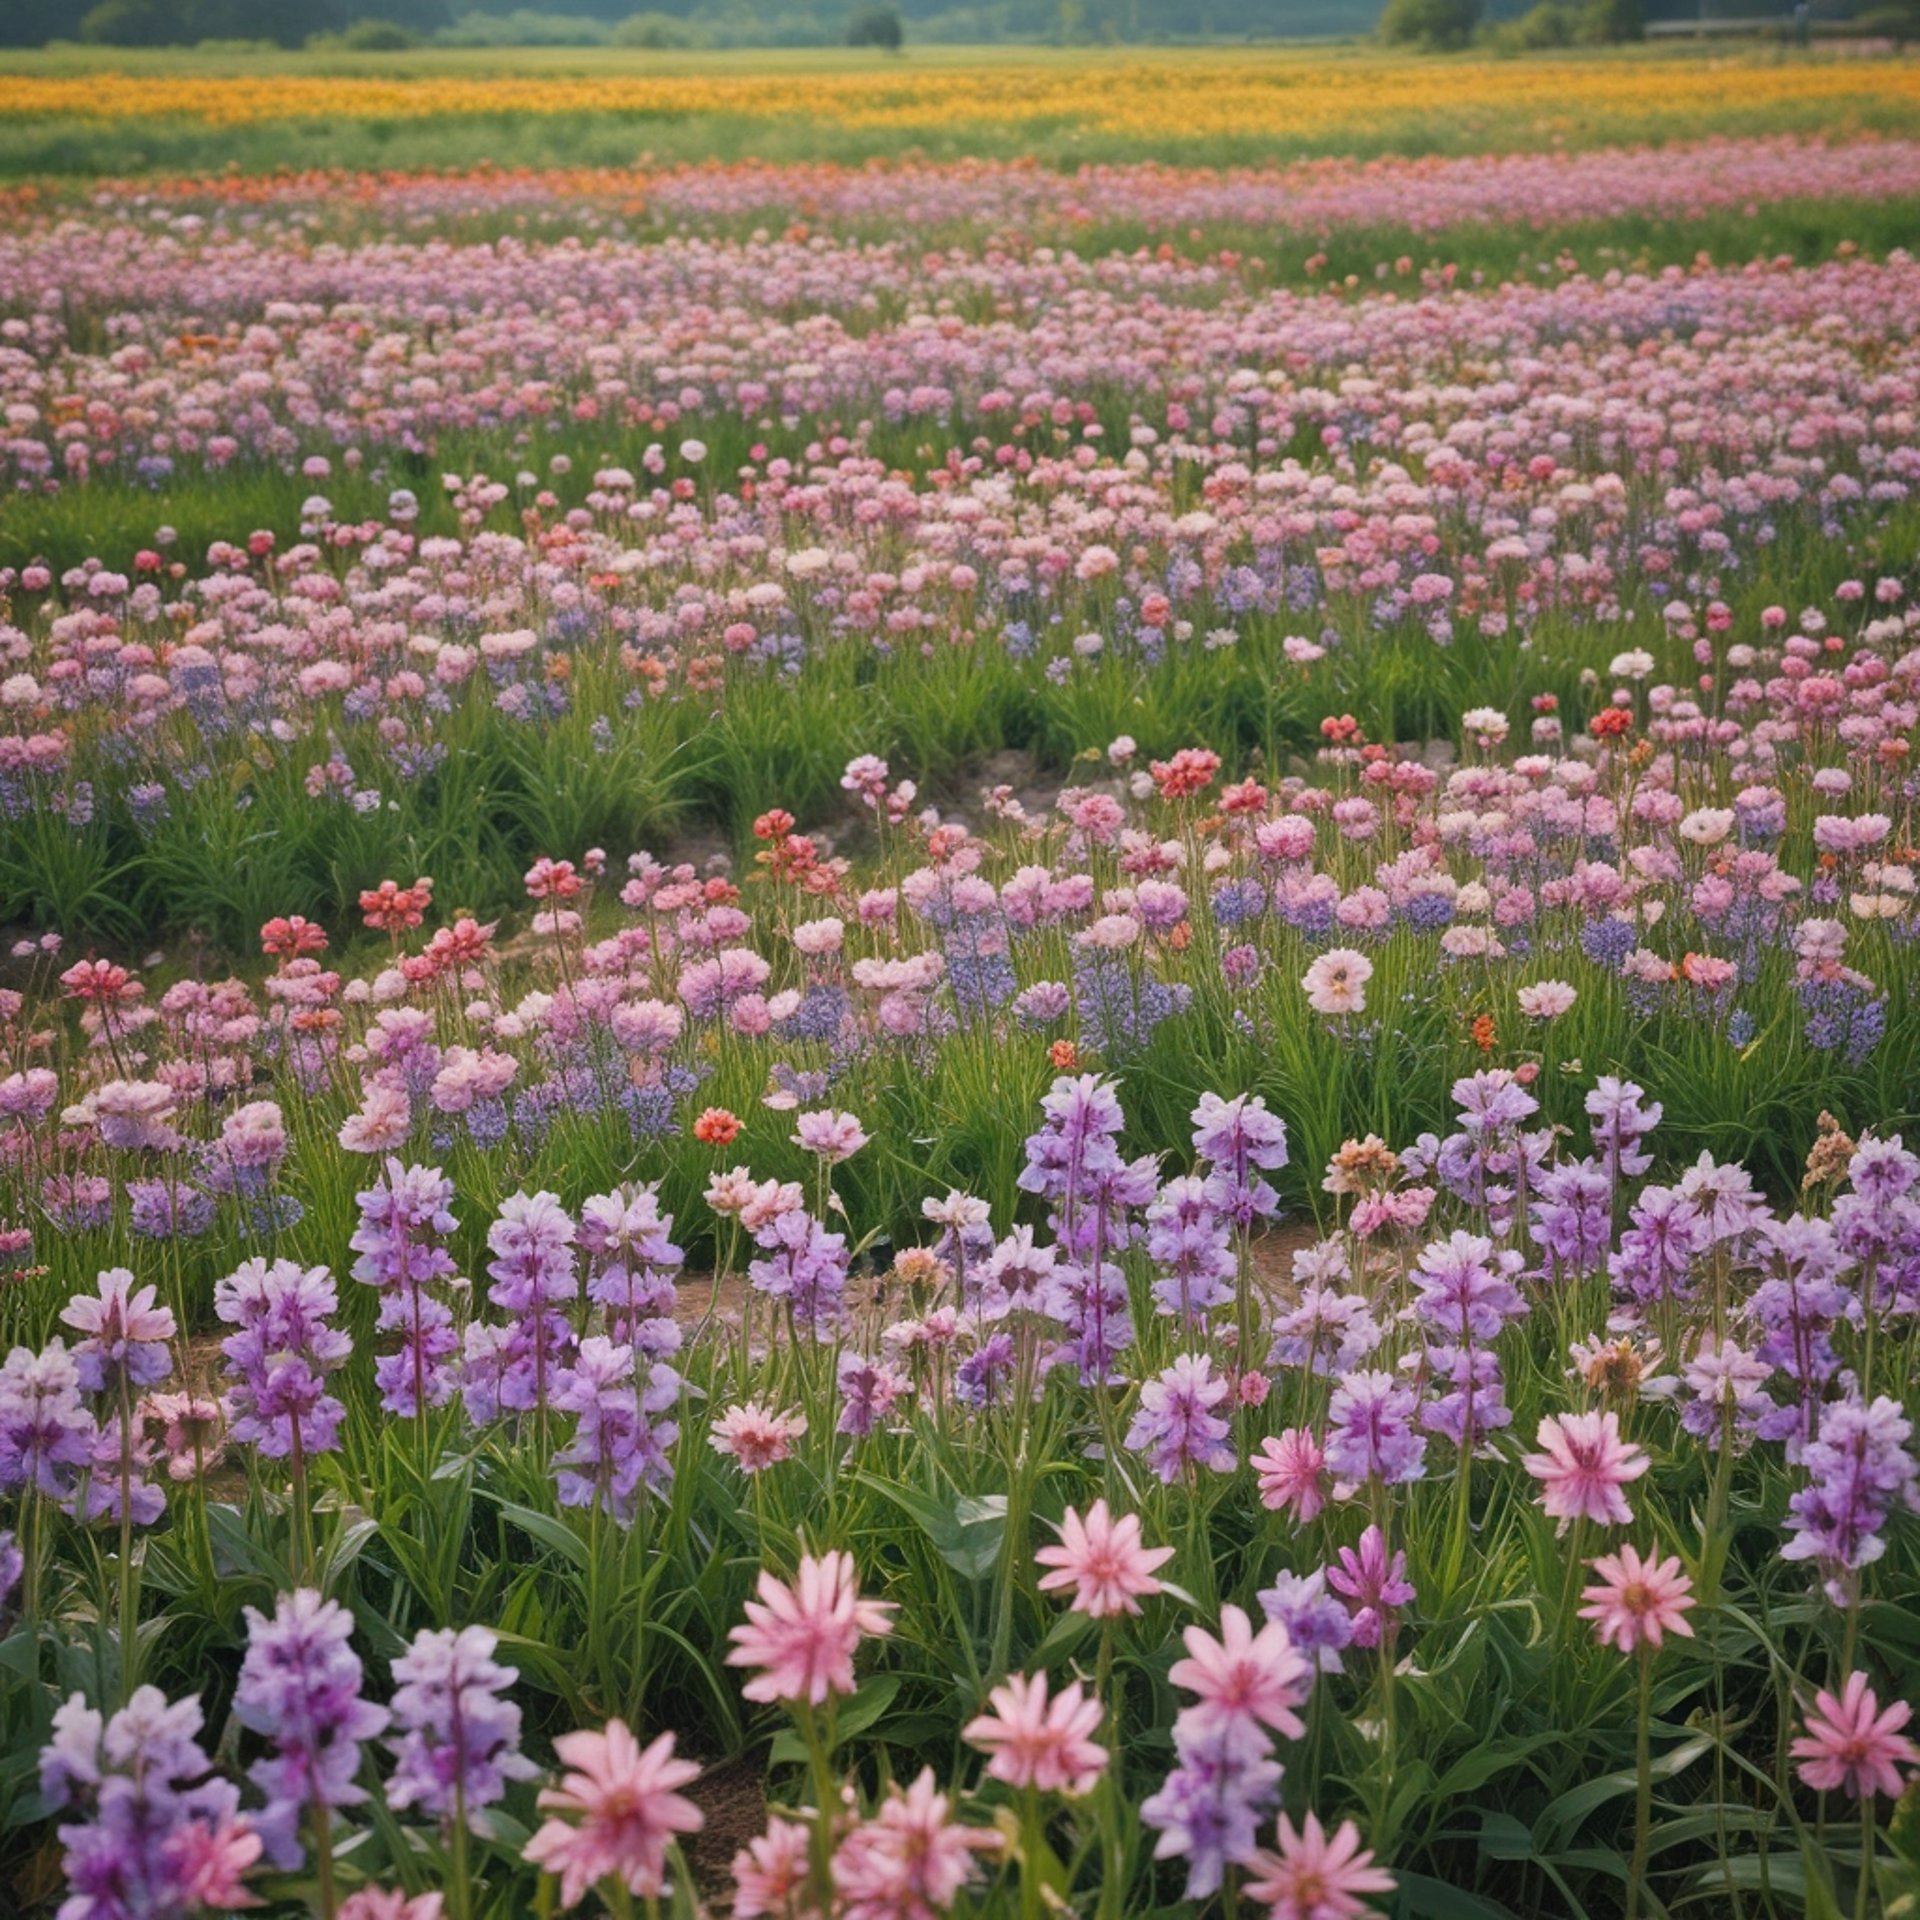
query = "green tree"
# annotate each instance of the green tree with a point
(877, 26)
(1439, 26)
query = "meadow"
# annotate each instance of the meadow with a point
(972, 986)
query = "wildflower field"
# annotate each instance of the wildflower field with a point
(921, 1016)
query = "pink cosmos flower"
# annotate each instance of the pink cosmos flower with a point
(910, 1860)
(1292, 1470)
(770, 1873)
(383, 1121)
(1582, 1465)
(1104, 1561)
(756, 1436)
(1336, 983)
(1036, 1742)
(621, 1811)
(1850, 1743)
(803, 1636)
(1316, 1875)
(1546, 999)
(1243, 1676)
(1637, 1602)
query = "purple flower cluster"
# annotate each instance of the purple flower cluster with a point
(1858, 1470)
(459, 1741)
(619, 1447)
(1177, 1426)
(280, 1359)
(514, 1366)
(405, 1217)
(300, 1689)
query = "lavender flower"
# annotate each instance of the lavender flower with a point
(125, 1347)
(515, 1368)
(806, 1266)
(1375, 1586)
(300, 1688)
(280, 1359)
(1320, 1627)
(617, 1451)
(1176, 1426)
(404, 1217)
(161, 1834)
(1371, 1432)
(1189, 1243)
(1858, 1470)
(1237, 1136)
(631, 1267)
(459, 1740)
(46, 1433)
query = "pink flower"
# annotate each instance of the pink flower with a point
(383, 1122)
(211, 1861)
(756, 1436)
(1637, 1602)
(1850, 1743)
(1336, 983)
(1104, 1561)
(1036, 1742)
(1316, 1876)
(833, 1136)
(1243, 1676)
(390, 1903)
(910, 1860)
(1546, 999)
(770, 1873)
(1582, 1465)
(803, 1636)
(623, 1812)
(1292, 1470)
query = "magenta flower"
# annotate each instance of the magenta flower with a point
(1851, 1744)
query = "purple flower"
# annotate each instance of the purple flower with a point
(1464, 1289)
(404, 1217)
(1858, 1470)
(1371, 1432)
(46, 1433)
(617, 1451)
(632, 1264)
(516, 1367)
(168, 1210)
(1238, 1136)
(280, 1359)
(151, 1803)
(870, 1390)
(1074, 1163)
(1374, 1584)
(1620, 1123)
(1210, 1808)
(126, 1334)
(1319, 1626)
(1176, 1426)
(1571, 1219)
(1189, 1243)
(459, 1740)
(1657, 1251)
(1799, 1303)
(806, 1266)
(300, 1688)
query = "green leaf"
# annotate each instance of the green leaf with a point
(551, 1533)
(1424, 1899)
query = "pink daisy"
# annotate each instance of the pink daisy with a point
(1103, 1560)
(910, 1860)
(1850, 1743)
(756, 1436)
(1316, 1875)
(1037, 1742)
(1582, 1465)
(622, 1812)
(1243, 1676)
(803, 1636)
(1637, 1602)
(770, 1872)
(1292, 1471)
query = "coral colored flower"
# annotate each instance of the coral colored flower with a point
(717, 1128)
(1104, 1561)
(1582, 1465)
(1316, 1875)
(1243, 1677)
(1851, 1743)
(1036, 1742)
(803, 1637)
(1637, 1602)
(618, 1812)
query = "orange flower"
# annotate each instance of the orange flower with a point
(717, 1128)
(1064, 1055)
(1484, 1033)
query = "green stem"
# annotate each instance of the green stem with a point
(1642, 1783)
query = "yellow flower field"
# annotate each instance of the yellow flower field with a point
(1302, 95)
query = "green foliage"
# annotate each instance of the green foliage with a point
(876, 26)
(1434, 26)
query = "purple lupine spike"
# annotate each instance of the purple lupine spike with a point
(1177, 1425)
(282, 1356)
(459, 1740)
(404, 1218)
(300, 1688)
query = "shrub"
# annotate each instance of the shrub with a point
(876, 27)
(656, 30)
(1439, 26)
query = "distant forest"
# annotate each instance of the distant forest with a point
(375, 24)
